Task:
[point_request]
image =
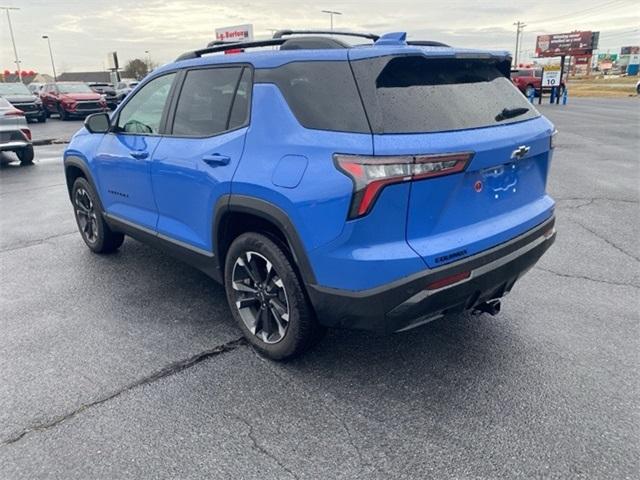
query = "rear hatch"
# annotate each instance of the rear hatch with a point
(424, 105)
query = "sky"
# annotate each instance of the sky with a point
(82, 32)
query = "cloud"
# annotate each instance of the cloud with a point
(83, 31)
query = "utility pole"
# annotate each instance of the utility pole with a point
(53, 65)
(13, 40)
(519, 28)
(331, 14)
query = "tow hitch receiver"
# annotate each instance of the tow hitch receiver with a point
(492, 307)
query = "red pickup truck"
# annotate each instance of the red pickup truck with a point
(528, 79)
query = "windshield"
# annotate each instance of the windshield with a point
(415, 94)
(14, 89)
(74, 88)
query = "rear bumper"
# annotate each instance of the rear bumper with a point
(406, 302)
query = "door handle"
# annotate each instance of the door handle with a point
(216, 160)
(139, 155)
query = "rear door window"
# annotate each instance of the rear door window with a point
(208, 105)
(322, 95)
(415, 94)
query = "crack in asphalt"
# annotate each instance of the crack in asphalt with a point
(362, 462)
(33, 243)
(606, 240)
(262, 449)
(171, 369)
(584, 277)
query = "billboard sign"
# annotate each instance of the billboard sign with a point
(607, 57)
(551, 76)
(557, 44)
(629, 50)
(236, 33)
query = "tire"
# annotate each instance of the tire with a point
(64, 116)
(94, 230)
(26, 155)
(638, 89)
(277, 317)
(528, 90)
(42, 118)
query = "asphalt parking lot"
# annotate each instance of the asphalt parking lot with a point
(130, 366)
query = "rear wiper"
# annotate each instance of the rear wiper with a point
(510, 113)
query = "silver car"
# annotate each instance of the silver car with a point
(15, 135)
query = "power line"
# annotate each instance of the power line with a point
(580, 13)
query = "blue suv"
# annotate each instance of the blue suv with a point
(326, 184)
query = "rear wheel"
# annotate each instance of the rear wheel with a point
(26, 155)
(94, 230)
(267, 298)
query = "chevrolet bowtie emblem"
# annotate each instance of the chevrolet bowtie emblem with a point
(520, 152)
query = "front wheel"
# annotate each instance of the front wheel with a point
(94, 230)
(530, 91)
(62, 113)
(267, 298)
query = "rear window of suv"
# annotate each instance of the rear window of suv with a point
(414, 94)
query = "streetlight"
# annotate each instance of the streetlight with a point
(148, 54)
(53, 65)
(331, 14)
(13, 40)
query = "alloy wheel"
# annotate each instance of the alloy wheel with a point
(260, 297)
(86, 215)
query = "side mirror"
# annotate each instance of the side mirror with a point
(98, 123)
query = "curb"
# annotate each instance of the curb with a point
(48, 141)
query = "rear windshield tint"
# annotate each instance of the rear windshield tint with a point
(322, 95)
(414, 94)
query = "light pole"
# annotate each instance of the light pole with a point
(519, 28)
(331, 14)
(148, 54)
(13, 40)
(53, 65)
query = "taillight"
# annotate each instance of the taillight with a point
(27, 133)
(14, 113)
(370, 174)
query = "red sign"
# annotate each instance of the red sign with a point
(557, 44)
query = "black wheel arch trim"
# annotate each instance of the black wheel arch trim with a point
(78, 162)
(272, 213)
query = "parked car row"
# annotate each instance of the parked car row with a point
(66, 99)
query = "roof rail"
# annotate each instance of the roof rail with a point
(427, 43)
(223, 47)
(283, 33)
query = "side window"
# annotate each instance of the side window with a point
(143, 113)
(205, 101)
(322, 95)
(240, 109)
